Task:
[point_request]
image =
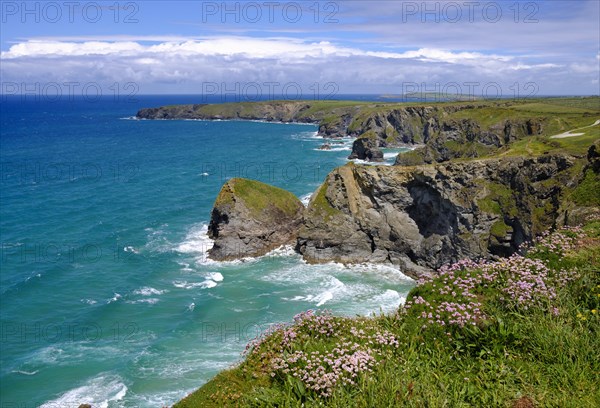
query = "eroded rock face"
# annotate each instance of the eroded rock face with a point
(366, 149)
(423, 217)
(251, 218)
(594, 156)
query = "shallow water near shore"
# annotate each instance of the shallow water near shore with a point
(106, 293)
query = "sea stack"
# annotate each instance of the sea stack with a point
(250, 218)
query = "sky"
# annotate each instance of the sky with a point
(310, 49)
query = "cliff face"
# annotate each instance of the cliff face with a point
(443, 131)
(423, 217)
(250, 218)
(273, 111)
(416, 217)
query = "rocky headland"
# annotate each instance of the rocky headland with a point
(416, 217)
(438, 132)
(484, 178)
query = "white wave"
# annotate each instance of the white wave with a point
(390, 155)
(335, 149)
(389, 300)
(98, 392)
(333, 287)
(305, 199)
(389, 272)
(191, 307)
(148, 291)
(157, 242)
(74, 352)
(130, 118)
(131, 249)
(196, 243)
(215, 276)
(88, 301)
(204, 174)
(282, 251)
(26, 372)
(355, 289)
(186, 267)
(207, 284)
(150, 301)
(116, 297)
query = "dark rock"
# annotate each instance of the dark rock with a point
(594, 156)
(366, 149)
(251, 218)
(423, 217)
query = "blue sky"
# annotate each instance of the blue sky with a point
(376, 47)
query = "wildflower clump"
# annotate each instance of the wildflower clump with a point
(555, 243)
(518, 282)
(323, 371)
(349, 349)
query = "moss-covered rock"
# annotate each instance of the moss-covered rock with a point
(251, 218)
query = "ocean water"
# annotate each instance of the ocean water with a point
(106, 294)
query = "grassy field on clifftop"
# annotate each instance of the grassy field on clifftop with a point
(520, 332)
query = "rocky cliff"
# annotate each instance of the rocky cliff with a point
(425, 216)
(250, 218)
(445, 131)
(418, 218)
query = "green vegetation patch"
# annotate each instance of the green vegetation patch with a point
(259, 196)
(587, 192)
(500, 201)
(516, 332)
(321, 204)
(500, 229)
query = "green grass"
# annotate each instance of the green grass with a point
(587, 192)
(549, 107)
(321, 205)
(549, 359)
(258, 196)
(500, 200)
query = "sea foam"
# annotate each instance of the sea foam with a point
(98, 391)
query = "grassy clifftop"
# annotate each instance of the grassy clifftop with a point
(520, 332)
(450, 130)
(258, 196)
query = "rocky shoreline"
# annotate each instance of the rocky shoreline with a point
(440, 132)
(432, 208)
(417, 218)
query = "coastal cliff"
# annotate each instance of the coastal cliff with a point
(455, 215)
(421, 217)
(440, 132)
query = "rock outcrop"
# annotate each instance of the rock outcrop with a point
(250, 218)
(445, 131)
(418, 218)
(366, 149)
(423, 217)
(594, 156)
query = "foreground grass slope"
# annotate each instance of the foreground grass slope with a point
(519, 332)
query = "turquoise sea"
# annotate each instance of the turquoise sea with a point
(106, 294)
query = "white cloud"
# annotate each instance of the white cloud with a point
(280, 48)
(184, 64)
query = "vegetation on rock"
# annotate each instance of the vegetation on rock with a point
(478, 334)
